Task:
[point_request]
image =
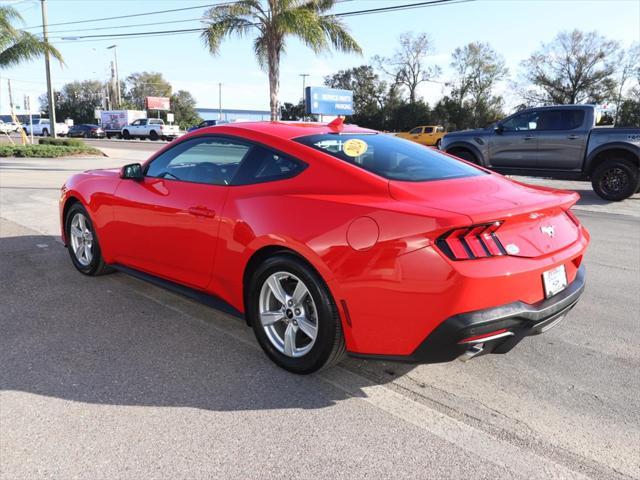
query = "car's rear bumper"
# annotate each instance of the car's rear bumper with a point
(492, 330)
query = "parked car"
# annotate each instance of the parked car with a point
(86, 130)
(429, 135)
(206, 123)
(561, 142)
(113, 121)
(151, 128)
(334, 239)
(42, 127)
(7, 127)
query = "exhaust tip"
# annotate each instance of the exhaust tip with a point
(472, 352)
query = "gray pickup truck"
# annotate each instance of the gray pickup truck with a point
(561, 142)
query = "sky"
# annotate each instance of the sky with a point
(514, 28)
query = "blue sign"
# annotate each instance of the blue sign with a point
(328, 101)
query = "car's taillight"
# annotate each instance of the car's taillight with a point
(476, 241)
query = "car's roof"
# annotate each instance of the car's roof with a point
(286, 130)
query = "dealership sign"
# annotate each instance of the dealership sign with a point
(328, 101)
(157, 103)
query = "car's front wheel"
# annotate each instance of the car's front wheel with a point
(82, 242)
(294, 316)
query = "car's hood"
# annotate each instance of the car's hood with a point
(523, 210)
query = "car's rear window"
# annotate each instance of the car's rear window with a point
(390, 157)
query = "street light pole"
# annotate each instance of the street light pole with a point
(115, 62)
(304, 85)
(52, 106)
(220, 101)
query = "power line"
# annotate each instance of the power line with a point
(424, 4)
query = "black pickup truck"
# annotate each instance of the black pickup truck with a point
(561, 142)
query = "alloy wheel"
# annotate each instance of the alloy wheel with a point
(81, 238)
(288, 314)
(614, 180)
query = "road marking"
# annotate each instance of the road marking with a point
(499, 452)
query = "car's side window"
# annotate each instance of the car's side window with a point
(428, 129)
(416, 131)
(565, 119)
(523, 122)
(212, 160)
(264, 165)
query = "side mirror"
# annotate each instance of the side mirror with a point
(133, 171)
(498, 129)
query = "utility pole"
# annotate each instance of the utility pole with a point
(45, 37)
(219, 101)
(118, 99)
(304, 85)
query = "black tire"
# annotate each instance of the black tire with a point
(329, 347)
(438, 143)
(153, 135)
(616, 179)
(126, 135)
(96, 266)
(45, 132)
(465, 155)
(85, 135)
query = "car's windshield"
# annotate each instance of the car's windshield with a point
(390, 157)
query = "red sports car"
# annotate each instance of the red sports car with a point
(334, 239)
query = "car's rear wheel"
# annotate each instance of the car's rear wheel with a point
(616, 179)
(294, 316)
(82, 242)
(153, 135)
(438, 143)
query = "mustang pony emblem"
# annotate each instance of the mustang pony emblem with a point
(548, 230)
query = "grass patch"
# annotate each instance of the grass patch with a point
(47, 149)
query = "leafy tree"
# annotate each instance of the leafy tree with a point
(369, 94)
(274, 21)
(291, 111)
(144, 84)
(78, 100)
(407, 65)
(17, 46)
(629, 111)
(478, 69)
(183, 105)
(629, 70)
(576, 67)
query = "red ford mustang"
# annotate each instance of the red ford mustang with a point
(334, 239)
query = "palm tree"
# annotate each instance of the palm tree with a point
(17, 46)
(274, 21)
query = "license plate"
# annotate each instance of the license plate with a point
(554, 280)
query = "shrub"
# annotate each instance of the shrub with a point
(67, 142)
(46, 151)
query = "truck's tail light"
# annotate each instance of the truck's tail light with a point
(476, 241)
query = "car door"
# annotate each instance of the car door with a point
(427, 137)
(167, 223)
(514, 143)
(562, 138)
(414, 134)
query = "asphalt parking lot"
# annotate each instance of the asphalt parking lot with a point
(111, 377)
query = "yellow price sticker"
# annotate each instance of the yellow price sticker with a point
(354, 147)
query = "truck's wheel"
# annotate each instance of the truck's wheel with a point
(438, 143)
(126, 135)
(45, 132)
(153, 135)
(465, 155)
(616, 179)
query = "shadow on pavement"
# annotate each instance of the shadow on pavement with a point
(116, 340)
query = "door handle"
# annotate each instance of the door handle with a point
(573, 137)
(201, 212)
(528, 137)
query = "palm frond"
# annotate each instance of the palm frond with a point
(25, 47)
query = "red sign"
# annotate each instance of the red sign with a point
(157, 103)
